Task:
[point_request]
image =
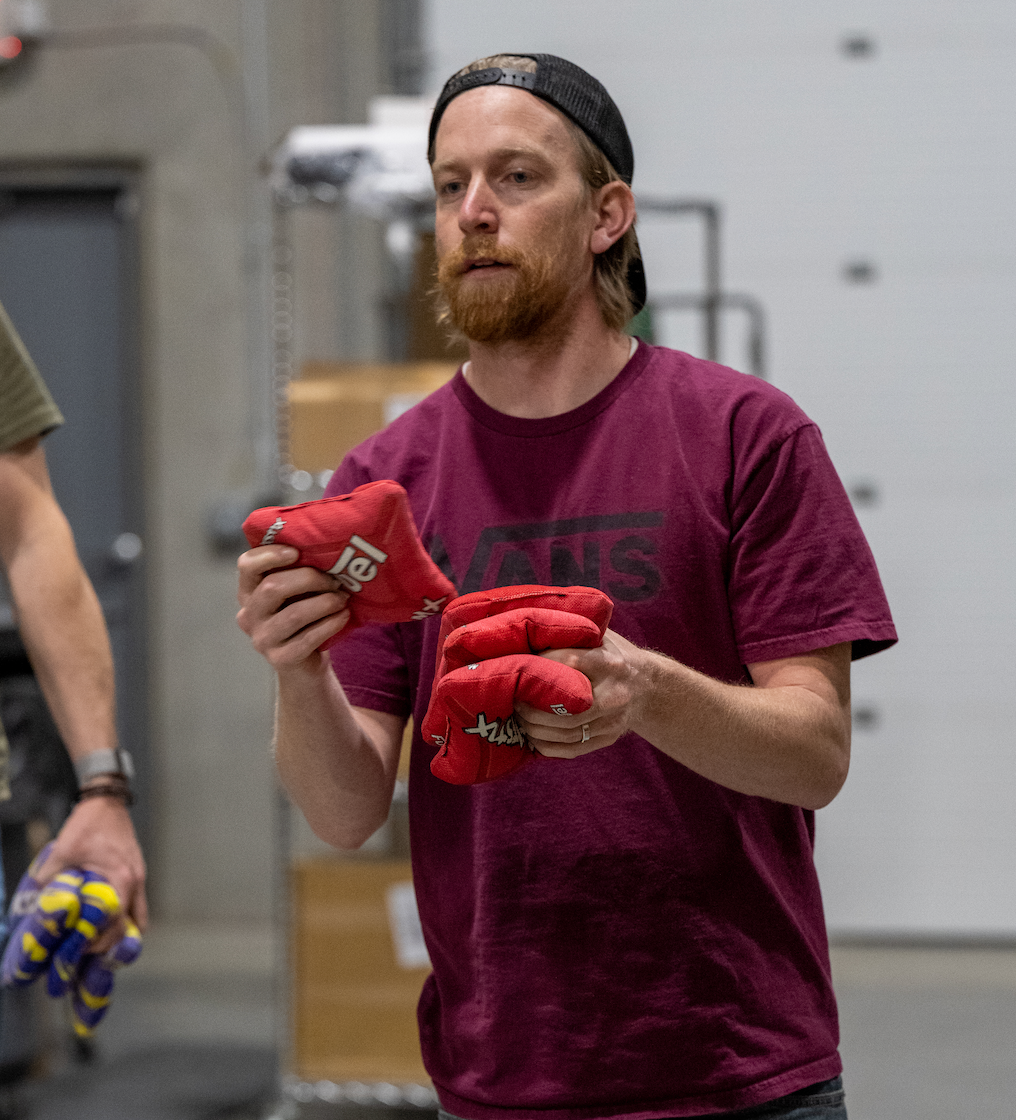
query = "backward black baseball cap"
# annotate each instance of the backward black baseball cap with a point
(569, 89)
(581, 98)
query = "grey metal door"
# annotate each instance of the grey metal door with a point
(68, 281)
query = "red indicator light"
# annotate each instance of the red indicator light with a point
(10, 47)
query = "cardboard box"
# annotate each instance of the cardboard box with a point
(359, 966)
(333, 406)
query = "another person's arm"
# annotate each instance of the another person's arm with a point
(65, 635)
(787, 738)
(337, 762)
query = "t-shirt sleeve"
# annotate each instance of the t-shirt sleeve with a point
(372, 670)
(369, 662)
(26, 407)
(802, 576)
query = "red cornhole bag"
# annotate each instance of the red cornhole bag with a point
(496, 624)
(523, 630)
(484, 740)
(586, 601)
(368, 541)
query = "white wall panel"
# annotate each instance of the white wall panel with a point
(905, 158)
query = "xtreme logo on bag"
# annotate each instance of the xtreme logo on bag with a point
(273, 530)
(430, 607)
(358, 563)
(503, 731)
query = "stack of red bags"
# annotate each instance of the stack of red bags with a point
(487, 659)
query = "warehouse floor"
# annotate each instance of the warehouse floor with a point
(928, 1034)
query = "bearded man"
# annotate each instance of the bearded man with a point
(636, 931)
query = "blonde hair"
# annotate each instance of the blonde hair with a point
(610, 268)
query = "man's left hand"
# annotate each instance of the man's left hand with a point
(615, 670)
(786, 738)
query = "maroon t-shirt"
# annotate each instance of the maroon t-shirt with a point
(616, 935)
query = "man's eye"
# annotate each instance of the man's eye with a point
(451, 188)
(519, 176)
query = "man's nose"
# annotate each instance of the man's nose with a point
(478, 212)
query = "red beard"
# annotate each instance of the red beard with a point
(508, 307)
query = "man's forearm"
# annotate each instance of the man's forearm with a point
(62, 626)
(787, 738)
(788, 741)
(65, 635)
(63, 631)
(338, 764)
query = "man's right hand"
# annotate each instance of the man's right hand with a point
(337, 763)
(99, 836)
(288, 614)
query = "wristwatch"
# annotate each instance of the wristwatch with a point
(97, 763)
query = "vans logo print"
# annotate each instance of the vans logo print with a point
(615, 552)
(358, 563)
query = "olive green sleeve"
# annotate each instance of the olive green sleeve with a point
(26, 408)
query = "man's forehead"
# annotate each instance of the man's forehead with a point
(488, 117)
(451, 156)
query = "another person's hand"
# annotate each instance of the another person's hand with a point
(288, 614)
(616, 670)
(99, 836)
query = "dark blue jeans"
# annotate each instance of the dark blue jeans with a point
(824, 1101)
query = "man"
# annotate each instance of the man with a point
(637, 931)
(63, 630)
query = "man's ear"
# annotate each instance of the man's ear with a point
(614, 205)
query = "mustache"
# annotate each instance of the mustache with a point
(512, 305)
(451, 264)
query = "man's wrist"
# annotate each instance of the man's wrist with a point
(114, 786)
(105, 763)
(314, 668)
(653, 684)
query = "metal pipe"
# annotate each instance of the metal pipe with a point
(739, 301)
(281, 325)
(711, 281)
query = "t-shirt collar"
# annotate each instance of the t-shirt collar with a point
(525, 427)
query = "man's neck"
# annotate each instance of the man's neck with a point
(558, 370)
